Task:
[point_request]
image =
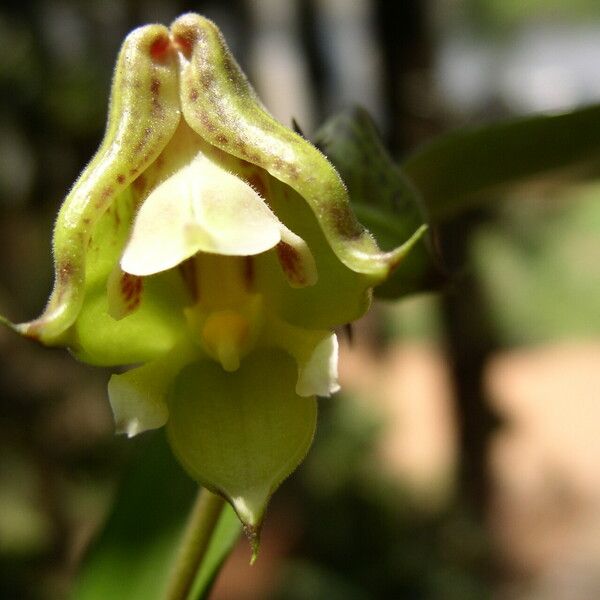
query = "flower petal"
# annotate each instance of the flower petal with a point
(296, 260)
(124, 293)
(319, 374)
(154, 320)
(138, 398)
(315, 352)
(137, 401)
(200, 208)
(340, 295)
(241, 434)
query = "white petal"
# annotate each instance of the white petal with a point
(137, 403)
(200, 208)
(138, 397)
(319, 374)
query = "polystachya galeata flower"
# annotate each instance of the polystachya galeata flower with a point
(211, 252)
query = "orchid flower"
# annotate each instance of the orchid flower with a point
(207, 253)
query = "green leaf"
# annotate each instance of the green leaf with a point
(131, 560)
(463, 167)
(241, 434)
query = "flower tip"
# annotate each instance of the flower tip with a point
(254, 556)
(186, 30)
(253, 535)
(318, 376)
(20, 328)
(129, 428)
(136, 399)
(153, 40)
(133, 428)
(396, 256)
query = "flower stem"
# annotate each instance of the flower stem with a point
(197, 535)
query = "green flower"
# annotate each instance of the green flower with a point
(211, 252)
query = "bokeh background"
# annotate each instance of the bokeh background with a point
(460, 461)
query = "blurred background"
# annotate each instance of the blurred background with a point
(460, 461)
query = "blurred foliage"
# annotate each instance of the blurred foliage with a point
(382, 197)
(364, 535)
(132, 557)
(540, 266)
(507, 14)
(415, 318)
(479, 165)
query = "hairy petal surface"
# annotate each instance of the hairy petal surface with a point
(220, 105)
(200, 208)
(145, 78)
(124, 319)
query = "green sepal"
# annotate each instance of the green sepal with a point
(155, 320)
(144, 112)
(220, 105)
(241, 434)
(340, 295)
(152, 330)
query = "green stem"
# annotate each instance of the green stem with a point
(197, 535)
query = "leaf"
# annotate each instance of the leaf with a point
(462, 167)
(131, 560)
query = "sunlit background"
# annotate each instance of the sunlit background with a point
(460, 460)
